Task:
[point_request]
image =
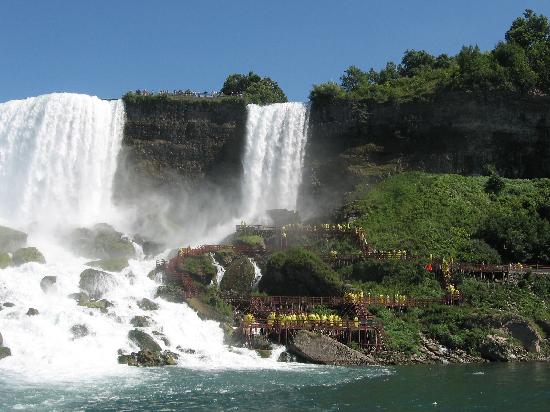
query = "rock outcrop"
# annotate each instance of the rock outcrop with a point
(26, 255)
(149, 358)
(143, 341)
(317, 348)
(524, 333)
(5, 260)
(110, 265)
(48, 284)
(147, 304)
(238, 277)
(101, 241)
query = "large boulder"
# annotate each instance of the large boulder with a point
(170, 293)
(32, 312)
(26, 255)
(101, 241)
(149, 358)
(96, 283)
(79, 331)
(11, 239)
(48, 284)
(525, 333)
(110, 265)
(5, 260)
(317, 348)
(140, 321)
(299, 272)
(238, 277)
(143, 341)
(201, 268)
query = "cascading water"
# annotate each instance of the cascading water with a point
(276, 137)
(57, 161)
(58, 155)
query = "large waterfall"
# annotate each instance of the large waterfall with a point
(57, 161)
(276, 136)
(58, 156)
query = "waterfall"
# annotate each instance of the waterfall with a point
(220, 270)
(58, 155)
(276, 136)
(257, 274)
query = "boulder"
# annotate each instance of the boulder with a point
(1, 340)
(239, 276)
(170, 293)
(79, 331)
(496, 349)
(320, 349)
(200, 268)
(143, 341)
(522, 331)
(140, 321)
(146, 304)
(11, 239)
(5, 260)
(47, 284)
(96, 283)
(9, 305)
(149, 358)
(101, 241)
(150, 248)
(32, 312)
(110, 265)
(26, 255)
(82, 299)
(4, 352)
(286, 357)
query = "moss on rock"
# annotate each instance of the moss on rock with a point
(101, 241)
(143, 341)
(239, 276)
(26, 255)
(5, 260)
(110, 265)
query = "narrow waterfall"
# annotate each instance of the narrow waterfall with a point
(276, 136)
(58, 155)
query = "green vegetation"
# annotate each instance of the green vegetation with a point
(253, 88)
(110, 265)
(520, 64)
(299, 272)
(201, 268)
(454, 216)
(5, 260)
(239, 276)
(249, 240)
(183, 99)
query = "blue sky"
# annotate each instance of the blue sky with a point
(106, 47)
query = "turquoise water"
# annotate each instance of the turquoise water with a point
(503, 387)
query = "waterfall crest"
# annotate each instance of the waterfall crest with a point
(276, 136)
(58, 156)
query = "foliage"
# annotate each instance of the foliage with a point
(200, 268)
(453, 216)
(495, 184)
(253, 88)
(249, 240)
(238, 276)
(519, 64)
(402, 329)
(299, 272)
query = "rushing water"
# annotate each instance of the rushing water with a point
(499, 387)
(276, 136)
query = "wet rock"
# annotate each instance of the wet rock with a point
(141, 321)
(11, 239)
(146, 304)
(26, 255)
(81, 298)
(170, 293)
(317, 348)
(101, 241)
(188, 351)
(239, 276)
(161, 336)
(286, 357)
(96, 283)
(47, 284)
(79, 331)
(4, 352)
(522, 331)
(149, 358)
(9, 305)
(32, 312)
(153, 275)
(1, 340)
(150, 247)
(143, 341)
(5, 260)
(264, 353)
(110, 265)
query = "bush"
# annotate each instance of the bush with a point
(326, 93)
(253, 88)
(301, 273)
(201, 268)
(239, 276)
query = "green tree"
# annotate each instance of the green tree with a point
(415, 61)
(475, 68)
(352, 78)
(253, 88)
(516, 70)
(388, 73)
(326, 92)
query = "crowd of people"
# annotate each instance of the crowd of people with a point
(358, 297)
(180, 92)
(301, 320)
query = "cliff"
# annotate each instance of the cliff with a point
(353, 141)
(172, 141)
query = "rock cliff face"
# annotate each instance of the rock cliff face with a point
(172, 141)
(453, 133)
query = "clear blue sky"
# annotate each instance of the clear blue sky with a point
(106, 47)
